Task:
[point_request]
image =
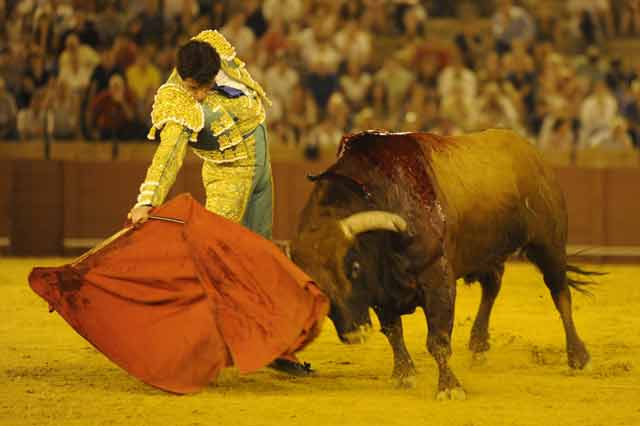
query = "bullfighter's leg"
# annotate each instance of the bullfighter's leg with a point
(440, 295)
(491, 282)
(404, 372)
(552, 263)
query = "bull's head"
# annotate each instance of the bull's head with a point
(328, 250)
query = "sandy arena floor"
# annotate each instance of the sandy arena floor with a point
(50, 376)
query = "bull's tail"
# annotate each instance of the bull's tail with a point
(582, 284)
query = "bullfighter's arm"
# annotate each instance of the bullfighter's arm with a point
(178, 118)
(165, 166)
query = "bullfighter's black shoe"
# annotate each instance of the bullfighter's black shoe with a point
(291, 367)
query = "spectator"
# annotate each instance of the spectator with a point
(617, 77)
(280, 78)
(546, 23)
(255, 19)
(355, 84)
(286, 10)
(353, 42)
(470, 43)
(282, 134)
(37, 72)
(396, 79)
(511, 23)
(496, 110)
(416, 114)
(596, 18)
(143, 79)
(364, 120)
(338, 112)
(630, 18)
(378, 99)
(557, 134)
(114, 112)
(632, 112)
(63, 114)
(125, 51)
(459, 108)
(43, 31)
(239, 35)
(323, 71)
(325, 135)
(351, 10)
(521, 74)
(428, 67)
(446, 127)
(413, 22)
(375, 17)
(165, 60)
(456, 77)
(275, 40)
(8, 113)
(109, 23)
(597, 115)
(301, 111)
(82, 27)
(180, 10)
(77, 62)
(35, 78)
(13, 66)
(491, 70)
(620, 137)
(148, 26)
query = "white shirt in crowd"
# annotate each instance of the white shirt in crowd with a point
(597, 116)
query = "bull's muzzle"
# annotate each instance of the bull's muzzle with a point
(359, 335)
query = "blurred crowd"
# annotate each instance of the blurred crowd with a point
(89, 69)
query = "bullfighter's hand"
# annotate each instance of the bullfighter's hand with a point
(139, 215)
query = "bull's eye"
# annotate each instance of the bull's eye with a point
(354, 273)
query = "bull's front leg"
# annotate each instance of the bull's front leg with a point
(404, 372)
(440, 295)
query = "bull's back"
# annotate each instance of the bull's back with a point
(497, 194)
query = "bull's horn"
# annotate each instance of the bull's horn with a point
(372, 220)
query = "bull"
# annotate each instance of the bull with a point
(398, 218)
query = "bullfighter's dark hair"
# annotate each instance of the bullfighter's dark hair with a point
(199, 61)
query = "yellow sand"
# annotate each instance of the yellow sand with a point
(51, 376)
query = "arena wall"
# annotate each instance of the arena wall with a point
(53, 207)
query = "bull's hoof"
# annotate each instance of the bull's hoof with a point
(291, 368)
(578, 359)
(479, 344)
(404, 382)
(455, 394)
(478, 359)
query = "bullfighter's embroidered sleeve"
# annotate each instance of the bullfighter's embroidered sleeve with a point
(165, 165)
(179, 118)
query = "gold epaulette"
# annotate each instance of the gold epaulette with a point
(173, 103)
(217, 40)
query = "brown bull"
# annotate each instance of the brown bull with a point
(400, 217)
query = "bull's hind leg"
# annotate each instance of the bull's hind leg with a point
(491, 282)
(553, 265)
(440, 296)
(404, 372)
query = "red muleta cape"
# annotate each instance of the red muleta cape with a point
(173, 304)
